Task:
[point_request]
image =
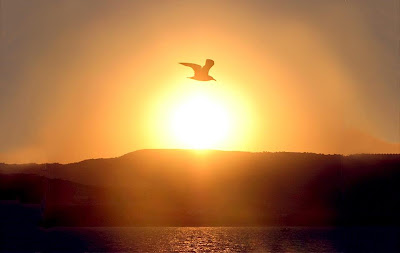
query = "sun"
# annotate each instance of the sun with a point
(192, 115)
(200, 122)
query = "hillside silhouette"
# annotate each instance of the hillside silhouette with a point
(211, 188)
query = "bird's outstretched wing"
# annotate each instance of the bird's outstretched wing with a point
(195, 67)
(208, 65)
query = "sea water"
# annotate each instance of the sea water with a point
(203, 239)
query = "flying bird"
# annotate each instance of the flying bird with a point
(201, 73)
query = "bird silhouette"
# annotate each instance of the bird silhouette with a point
(201, 73)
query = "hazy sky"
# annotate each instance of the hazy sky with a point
(85, 79)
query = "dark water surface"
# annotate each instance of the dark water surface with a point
(203, 239)
(19, 233)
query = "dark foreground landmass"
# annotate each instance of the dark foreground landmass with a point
(208, 188)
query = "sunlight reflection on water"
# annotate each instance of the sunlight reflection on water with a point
(208, 239)
(200, 239)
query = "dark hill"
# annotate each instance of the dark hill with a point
(185, 187)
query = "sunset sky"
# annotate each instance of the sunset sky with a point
(89, 79)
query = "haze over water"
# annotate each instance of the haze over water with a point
(106, 145)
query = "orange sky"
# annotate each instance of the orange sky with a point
(86, 79)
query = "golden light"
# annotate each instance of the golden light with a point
(200, 122)
(186, 114)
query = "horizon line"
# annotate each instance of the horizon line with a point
(197, 150)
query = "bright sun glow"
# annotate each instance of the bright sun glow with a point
(200, 122)
(193, 115)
